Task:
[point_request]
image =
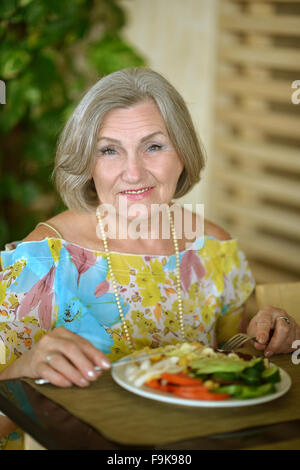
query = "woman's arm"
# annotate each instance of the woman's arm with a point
(13, 371)
(61, 357)
(214, 230)
(6, 426)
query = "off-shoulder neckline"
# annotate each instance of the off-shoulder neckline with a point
(194, 245)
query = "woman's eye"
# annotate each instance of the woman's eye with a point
(107, 151)
(154, 147)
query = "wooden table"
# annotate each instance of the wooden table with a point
(273, 425)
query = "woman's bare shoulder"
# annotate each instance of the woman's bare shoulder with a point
(60, 222)
(210, 229)
(39, 233)
(214, 230)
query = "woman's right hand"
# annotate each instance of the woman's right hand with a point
(63, 358)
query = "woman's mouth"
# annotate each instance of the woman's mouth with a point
(137, 194)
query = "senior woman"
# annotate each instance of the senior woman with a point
(75, 296)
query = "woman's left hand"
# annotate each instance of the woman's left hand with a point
(274, 330)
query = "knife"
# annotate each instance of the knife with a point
(121, 362)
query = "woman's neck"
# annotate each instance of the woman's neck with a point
(81, 228)
(151, 235)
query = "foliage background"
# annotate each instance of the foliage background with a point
(51, 52)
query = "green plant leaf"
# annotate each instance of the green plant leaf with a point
(111, 54)
(4, 232)
(44, 72)
(61, 7)
(40, 149)
(15, 106)
(34, 13)
(24, 3)
(112, 15)
(32, 95)
(50, 123)
(30, 192)
(7, 8)
(3, 27)
(12, 62)
(54, 31)
(11, 187)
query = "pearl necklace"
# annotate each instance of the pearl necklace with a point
(114, 282)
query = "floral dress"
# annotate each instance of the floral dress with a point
(50, 283)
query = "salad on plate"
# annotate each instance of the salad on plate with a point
(198, 372)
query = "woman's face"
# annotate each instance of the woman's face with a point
(136, 161)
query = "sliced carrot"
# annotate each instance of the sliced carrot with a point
(192, 389)
(188, 388)
(216, 396)
(196, 394)
(180, 379)
(200, 395)
(156, 383)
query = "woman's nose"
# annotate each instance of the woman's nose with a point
(133, 171)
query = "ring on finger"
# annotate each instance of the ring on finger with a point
(48, 358)
(285, 318)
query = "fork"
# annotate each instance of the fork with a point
(236, 341)
(120, 362)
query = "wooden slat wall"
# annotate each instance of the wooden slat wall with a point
(256, 169)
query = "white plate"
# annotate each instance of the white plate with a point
(118, 374)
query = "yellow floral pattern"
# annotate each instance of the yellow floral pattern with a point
(215, 276)
(212, 303)
(55, 283)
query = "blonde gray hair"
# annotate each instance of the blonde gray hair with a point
(76, 150)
